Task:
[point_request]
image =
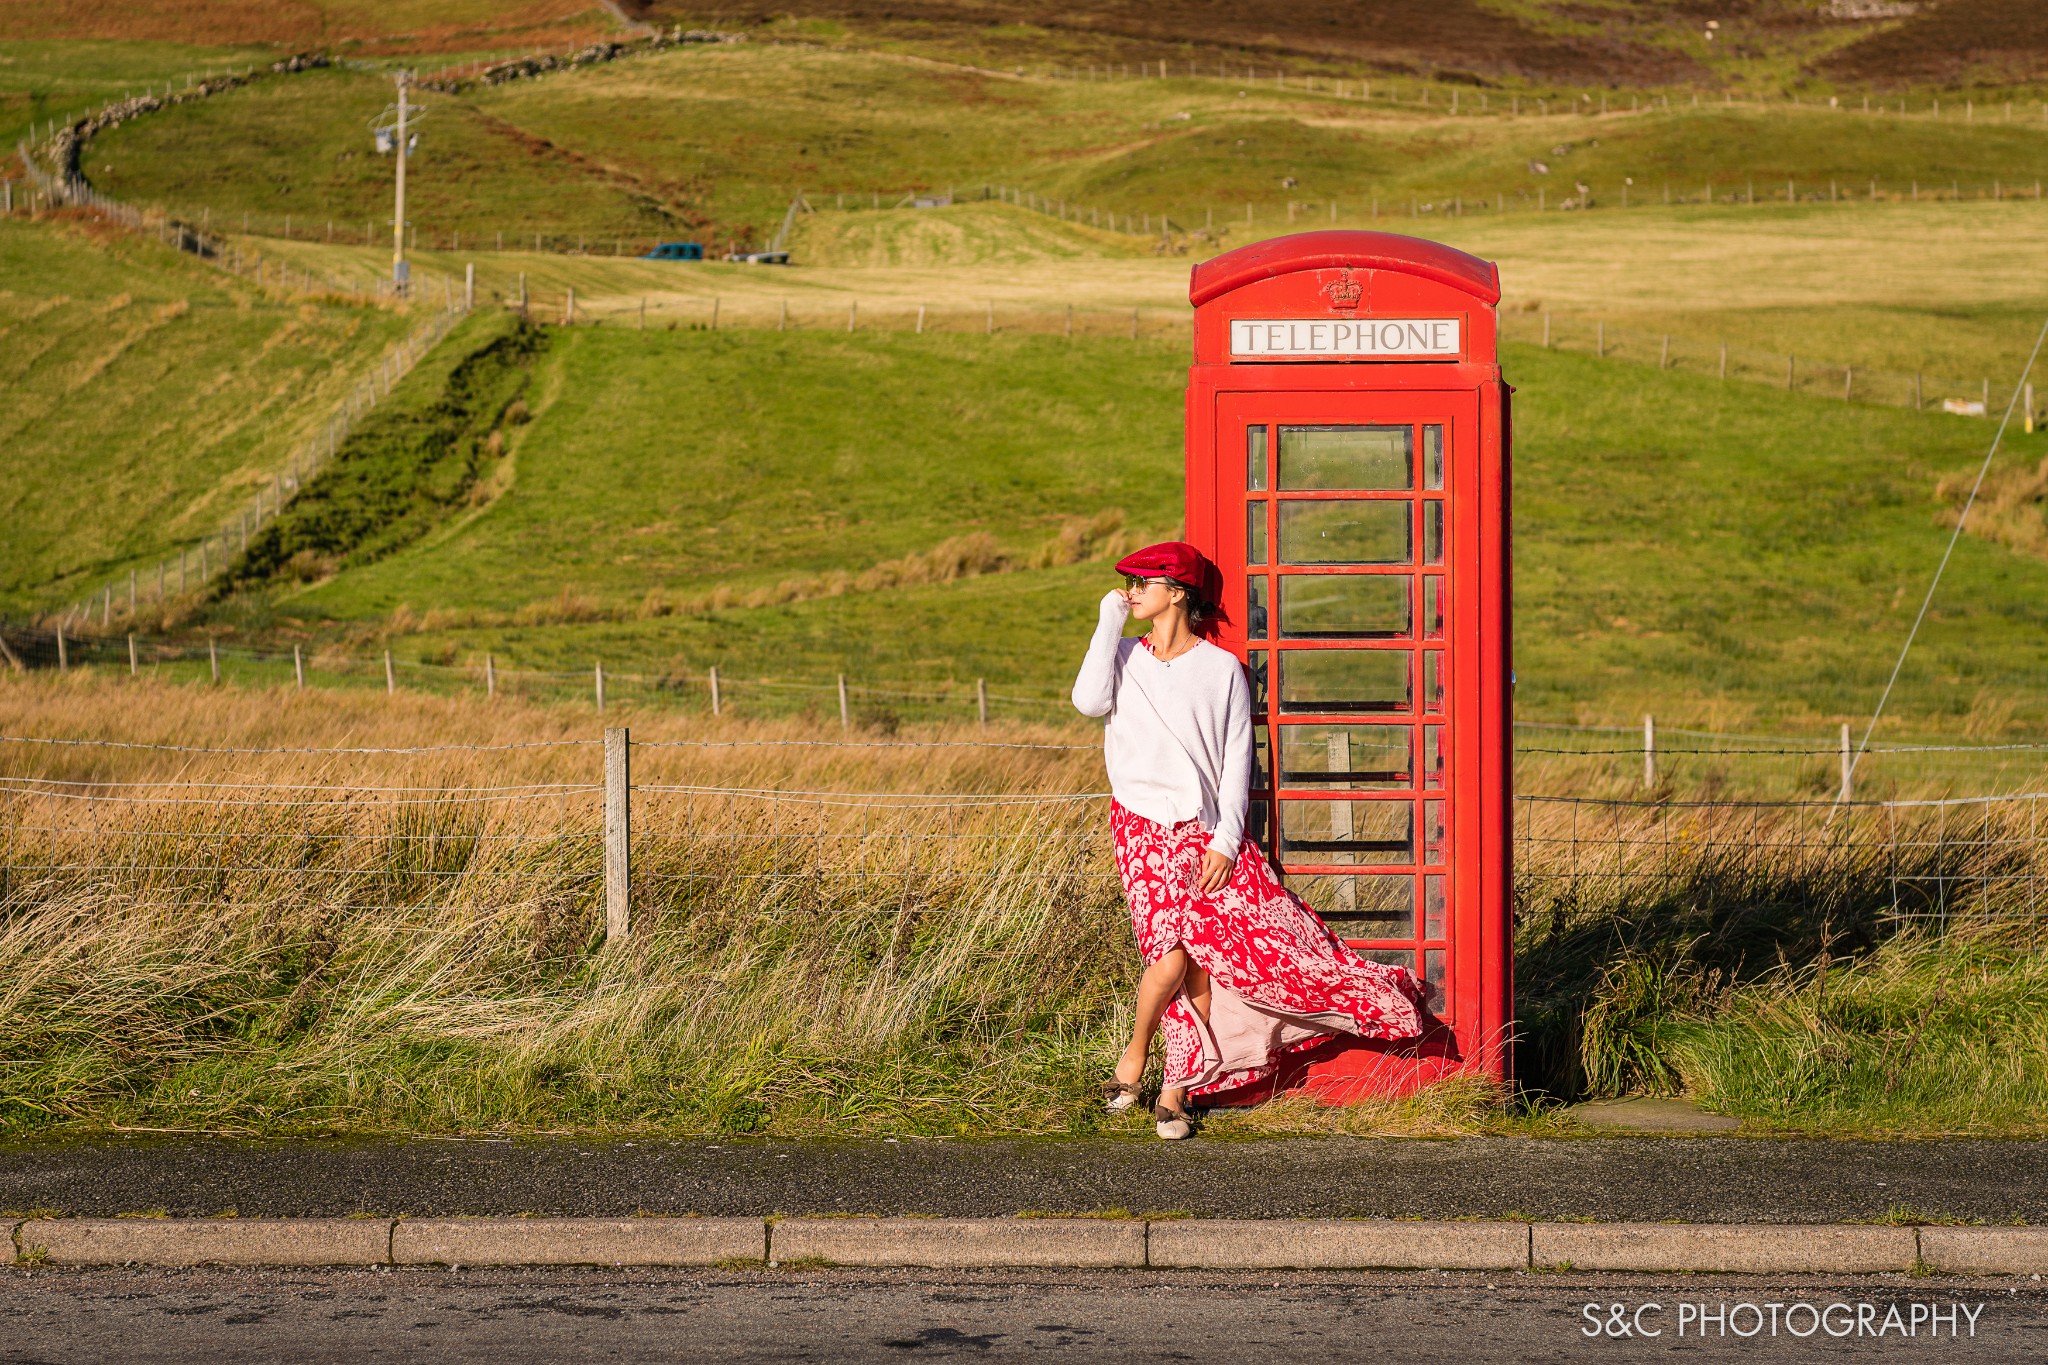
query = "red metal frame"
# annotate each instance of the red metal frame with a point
(1359, 278)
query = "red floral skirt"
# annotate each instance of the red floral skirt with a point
(1279, 979)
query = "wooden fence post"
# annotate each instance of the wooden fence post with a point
(714, 312)
(618, 832)
(1649, 752)
(845, 718)
(213, 658)
(714, 690)
(468, 286)
(299, 668)
(600, 688)
(2028, 399)
(569, 308)
(133, 667)
(981, 701)
(390, 677)
(63, 651)
(490, 675)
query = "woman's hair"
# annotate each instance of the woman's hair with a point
(1200, 610)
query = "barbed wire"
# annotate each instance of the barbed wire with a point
(309, 749)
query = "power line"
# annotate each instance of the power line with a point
(1954, 536)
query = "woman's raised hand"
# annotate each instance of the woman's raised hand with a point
(1116, 606)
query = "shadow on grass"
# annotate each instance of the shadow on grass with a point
(1699, 913)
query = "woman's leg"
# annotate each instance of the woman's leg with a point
(1156, 990)
(1195, 982)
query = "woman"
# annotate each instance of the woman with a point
(1237, 970)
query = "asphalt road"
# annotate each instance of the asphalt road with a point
(1695, 1179)
(218, 1317)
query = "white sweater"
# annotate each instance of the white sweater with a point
(1178, 741)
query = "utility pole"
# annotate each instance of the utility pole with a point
(400, 270)
(394, 133)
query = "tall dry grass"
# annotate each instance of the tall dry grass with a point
(905, 936)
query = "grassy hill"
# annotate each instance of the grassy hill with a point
(361, 25)
(144, 396)
(793, 506)
(719, 139)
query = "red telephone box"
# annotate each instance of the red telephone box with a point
(1347, 469)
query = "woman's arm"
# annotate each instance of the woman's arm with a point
(1233, 795)
(1095, 686)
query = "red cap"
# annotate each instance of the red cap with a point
(1178, 560)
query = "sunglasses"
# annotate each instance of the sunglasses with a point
(1138, 582)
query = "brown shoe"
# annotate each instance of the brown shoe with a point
(1172, 1124)
(1119, 1096)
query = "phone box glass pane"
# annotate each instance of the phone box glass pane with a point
(1432, 755)
(1255, 607)
(1433, 680)
(1347, 833)
(1389, 957)
(1433, 608)
(1262, 760)
(1255, 533)
(1432, 533)
(1257, 822)
(1255, 458)
(1345, 532)
(1433, 906)
(1433, 845)
(1255, 672)
(1336, 606)
(1329, 681)
(1433, 457)
(1362, 904)
(1365, 757)
(1433, 976)
(1358, 459)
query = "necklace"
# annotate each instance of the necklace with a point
(1166, 660)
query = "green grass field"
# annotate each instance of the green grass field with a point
(144, 396)
(47, 78)
(1724, 555)
(720, 139)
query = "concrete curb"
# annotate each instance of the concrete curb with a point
(1752, 1247)
(209, 1241)
(1328, 1243)
(577, 1241)
(1996, 1251)
(1049, 1243)
(961, 1242)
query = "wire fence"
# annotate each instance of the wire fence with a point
(1796, 374)
(611, 850)
(1656, 759)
